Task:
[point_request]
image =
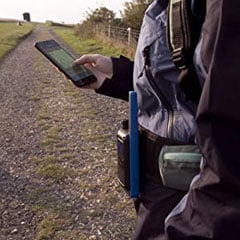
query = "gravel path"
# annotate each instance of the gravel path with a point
(57, 154)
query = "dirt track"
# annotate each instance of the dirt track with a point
(57, 154)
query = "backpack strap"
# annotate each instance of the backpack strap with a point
(163, 3)
(185, 19)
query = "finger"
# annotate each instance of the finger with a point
(92, 69)
(90, 86)
(100, 76)
(88, 58)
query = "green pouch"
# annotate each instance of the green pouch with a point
(178, 165)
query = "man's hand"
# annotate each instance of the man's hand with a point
(99, 65)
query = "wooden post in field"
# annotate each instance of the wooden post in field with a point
(109, 30)
(129, 36)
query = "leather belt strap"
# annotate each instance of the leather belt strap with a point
(150, 147)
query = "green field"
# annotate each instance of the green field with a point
(86, 46)
(11, 34)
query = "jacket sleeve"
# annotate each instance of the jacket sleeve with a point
(121, 82)
(211, 210)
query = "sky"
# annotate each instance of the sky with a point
(67, 11)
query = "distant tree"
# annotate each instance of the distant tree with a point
(97, 20)
(101, 15)
(85, 30)
(133, 12)
(119, 23)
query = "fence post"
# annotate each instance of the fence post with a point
(97, 29)
(129, 36)
(109, 31)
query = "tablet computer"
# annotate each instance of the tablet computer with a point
(64, 61)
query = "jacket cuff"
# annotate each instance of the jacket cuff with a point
(121, 82)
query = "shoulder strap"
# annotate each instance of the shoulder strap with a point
(163, 3)
(185, 18)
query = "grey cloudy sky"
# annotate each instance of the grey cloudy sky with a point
(68, 11)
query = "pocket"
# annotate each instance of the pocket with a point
(178, 165)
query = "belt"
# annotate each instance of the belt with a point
(150, 146)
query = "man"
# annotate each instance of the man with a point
(151, 71)
(211, 209)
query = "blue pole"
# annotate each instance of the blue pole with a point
(134, 145)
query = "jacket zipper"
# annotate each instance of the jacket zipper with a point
(159, 93)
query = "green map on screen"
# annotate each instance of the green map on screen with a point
(62, 58)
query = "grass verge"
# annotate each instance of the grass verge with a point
(87, 46)
(11, 34)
